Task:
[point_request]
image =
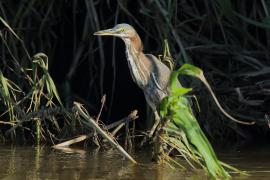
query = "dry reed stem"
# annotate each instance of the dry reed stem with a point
(72, 141)
(104, 134)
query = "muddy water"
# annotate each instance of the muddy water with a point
(29, 162)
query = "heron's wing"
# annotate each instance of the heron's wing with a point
(160, 73)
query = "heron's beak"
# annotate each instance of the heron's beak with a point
(106, 32)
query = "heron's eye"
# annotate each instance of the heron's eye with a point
(121, 30)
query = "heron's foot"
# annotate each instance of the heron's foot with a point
(153, 129)
(149, 136)
(157, 121)
(143, 141)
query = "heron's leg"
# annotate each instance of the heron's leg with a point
(157, 121)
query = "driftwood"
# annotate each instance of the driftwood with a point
(117, 125)
(72, 141)
(104, 134)
(92, 122)
(132, 116)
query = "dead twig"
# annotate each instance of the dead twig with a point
(132, 116)
(95, 137)
(72, 141)
(78, 107)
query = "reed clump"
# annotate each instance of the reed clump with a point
(30, 97)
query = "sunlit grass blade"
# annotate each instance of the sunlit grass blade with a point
(9, 28)
(4, 90)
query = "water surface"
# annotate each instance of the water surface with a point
(29, 162)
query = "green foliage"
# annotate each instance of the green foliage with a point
(33, 102)
(191, 70)
(176, 109)
(42, 61)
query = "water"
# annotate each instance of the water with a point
(26, 162)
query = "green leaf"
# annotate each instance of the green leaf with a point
(4, 91)
(188, 69)
(4, 86)
(180, 91)
(163, 107)
(173, 80)
(53, 88)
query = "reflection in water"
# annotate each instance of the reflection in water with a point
(26, 162)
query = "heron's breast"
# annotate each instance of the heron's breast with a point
(138, 71)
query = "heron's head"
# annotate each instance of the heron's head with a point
(124, 31)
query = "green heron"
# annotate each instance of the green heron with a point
(149, 73)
